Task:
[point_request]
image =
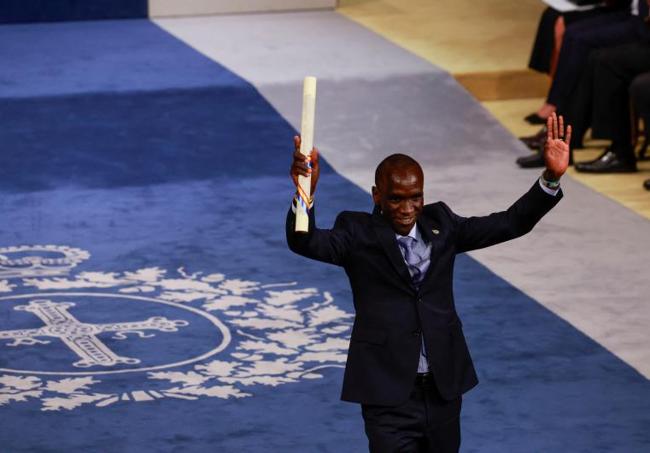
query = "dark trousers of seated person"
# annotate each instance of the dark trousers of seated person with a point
(424, 423)
(614, 72)
(640, 95)
(544, 44)
(601, 99)
(640, 98)
(582, 38)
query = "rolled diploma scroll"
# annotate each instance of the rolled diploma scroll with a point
(306, 145)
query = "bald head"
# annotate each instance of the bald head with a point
(393, 164)
(398, 191)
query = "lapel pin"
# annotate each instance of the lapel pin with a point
(434, 231)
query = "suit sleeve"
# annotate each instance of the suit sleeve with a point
(478, 232)
(330, 246)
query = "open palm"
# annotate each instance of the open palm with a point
(556, 149)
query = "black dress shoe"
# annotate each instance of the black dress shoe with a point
(533, 161)
(534, 118)
(646, 184)
(537, 141)
(608, 162)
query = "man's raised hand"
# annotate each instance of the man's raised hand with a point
(556, 149)
(300, 165)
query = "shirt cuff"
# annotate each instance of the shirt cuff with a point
(545, 187)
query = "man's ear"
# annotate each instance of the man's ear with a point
(376, 196)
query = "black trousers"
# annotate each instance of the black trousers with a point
(615, 70)
(540, 56)
(601, 98)
(424, 423)
(577, 109)
(582, 38)
(640, 98)
(640, 94)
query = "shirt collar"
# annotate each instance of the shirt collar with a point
(414, 233)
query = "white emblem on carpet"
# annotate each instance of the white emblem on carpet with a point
(268, 334)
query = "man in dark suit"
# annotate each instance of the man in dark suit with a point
(408, 363)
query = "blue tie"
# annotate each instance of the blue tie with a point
(416, 264)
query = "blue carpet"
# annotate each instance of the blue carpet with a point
(17, 11)
(100, 57)
(179, 194)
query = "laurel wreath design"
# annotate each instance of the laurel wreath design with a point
(34, 261)
(282, 333)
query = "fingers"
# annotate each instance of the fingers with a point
(300, 165)
(300, 157)
(567, 139)
(555, 128)
(561, 120)
(549, 128)
(297, 155)
(301, 168)
(295, 172)
(303, 165)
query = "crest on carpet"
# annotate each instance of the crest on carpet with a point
(100, 338)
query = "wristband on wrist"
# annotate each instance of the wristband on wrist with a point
(551, 184)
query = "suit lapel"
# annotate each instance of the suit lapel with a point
(387, 240)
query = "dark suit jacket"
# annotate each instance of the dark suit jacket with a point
(391, 314)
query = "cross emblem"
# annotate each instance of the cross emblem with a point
(81, 337)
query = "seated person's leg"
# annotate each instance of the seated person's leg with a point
(614, 71)
(577, 113)
(640, 97)
(579, 40)
(540, 57)
(546, 37)
(548, 41)
(618, 66)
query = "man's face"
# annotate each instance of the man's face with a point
(400, 197)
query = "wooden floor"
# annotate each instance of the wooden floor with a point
(489, 57)
(458, 36)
